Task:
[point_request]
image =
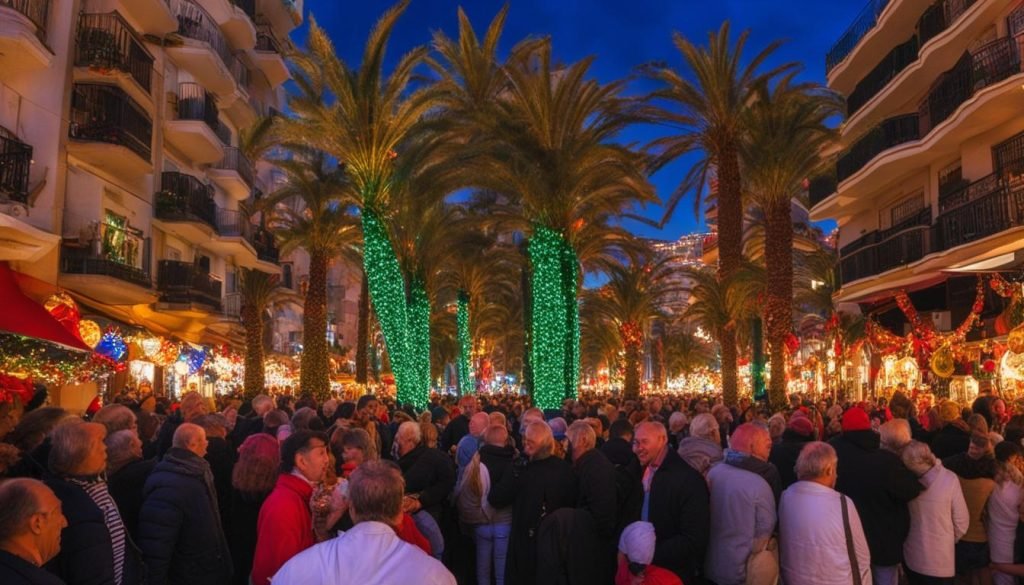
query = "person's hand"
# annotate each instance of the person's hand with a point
(410, 505)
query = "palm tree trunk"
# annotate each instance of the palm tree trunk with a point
(419, 341)
(465, 345)
(778, 307)
(363, 334)
(730, 255)
(549, 321)
(570, 290)
(633, 343)
(254, 381)
(314, 375)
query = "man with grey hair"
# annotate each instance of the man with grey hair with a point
(248, 425)
(938, 517)
(116, 417)
(595, 490)
(429, 478)
(703, 448)
(30, 525)
(369, 552)
(813, 517)
(894, 435)
(95, 546)
(180, 531)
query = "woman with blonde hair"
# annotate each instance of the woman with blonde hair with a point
(491, 526)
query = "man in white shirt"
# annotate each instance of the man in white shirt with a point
(813, 541)
(371, 552)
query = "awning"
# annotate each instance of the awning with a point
(23, 316)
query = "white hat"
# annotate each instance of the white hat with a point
(637, 542)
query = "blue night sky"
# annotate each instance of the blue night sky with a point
(621, 34)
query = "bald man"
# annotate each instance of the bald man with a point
(736, 491)
(30, 524)
(470, 444)
(180, 531)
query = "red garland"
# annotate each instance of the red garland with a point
(1003, 288)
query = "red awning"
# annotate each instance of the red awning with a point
(23, 316)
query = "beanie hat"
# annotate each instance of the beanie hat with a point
(856, 419)
(949, 411)
(637, 542)
(801, 425)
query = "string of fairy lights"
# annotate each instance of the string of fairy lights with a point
(465, 344)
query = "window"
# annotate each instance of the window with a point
(286, 275)
(902, 211)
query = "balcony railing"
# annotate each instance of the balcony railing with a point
(1015, 21)
(940, 16)
(874, 82)
(233, 305)
(197, 24)
(184, 198)
(989, 214)
(266, 248)
(232, 223)
(92, 258)
(969, 191)
(865, 21)
(15, 163)
(38, 11)
(265, 40)
(195, 103)
(107, 41)
(104, 113)
(186, 283)
(820, 188)
(879, 251)
(234, 160)
(890, 133)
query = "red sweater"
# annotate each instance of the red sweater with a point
(284, 528)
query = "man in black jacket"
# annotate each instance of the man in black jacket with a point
(596, 493)
(676, 501)
(799, 431)
(30, 526)
(459, 426)
(179, 527)
(881, 487)
(429, 474)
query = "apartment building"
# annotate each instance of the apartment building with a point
(927, 183)
(122, 180)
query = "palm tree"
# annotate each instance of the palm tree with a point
(786, 133)
(312, 211)
(257, 288)
(364, 118)
(549, 148)
(707, 103)
(632, 299)
(685, 353)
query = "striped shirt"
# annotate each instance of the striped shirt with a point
(96, 487)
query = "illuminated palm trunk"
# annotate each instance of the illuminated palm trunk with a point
(633, 344)
(314, 375)
(554, 318)
(255, 376)
(419, 340)
(778, 308)
(363, 334)
(730, 257)
(387, 292)
(465, 344)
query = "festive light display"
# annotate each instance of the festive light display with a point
(466, 385)
(570, 288)
(48, 364)
(89, 332)
(549, 324)
(419, 341)
(112, 345)
(387, 292)
(150, 346)
(942, 362)
(1015, 339)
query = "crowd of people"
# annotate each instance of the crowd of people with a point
(487, 489)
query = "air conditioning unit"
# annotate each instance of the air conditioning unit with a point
(941, 320)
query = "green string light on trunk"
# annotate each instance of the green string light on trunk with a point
(387, 291)
(419, 341)
(550, 357)
(465, 345)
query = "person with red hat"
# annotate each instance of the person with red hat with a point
(881, 487)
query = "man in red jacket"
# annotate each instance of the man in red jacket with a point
(285, 525)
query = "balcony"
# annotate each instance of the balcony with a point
(895, 62)
(266, 247)
(154, 17)
(109, 49)
(185, 283)
(202, 49)
(886, 135)
(820, 188)
(988, 214)
(233, 305)
(23, 36)
(862, 24)
(240, 27)
(880, 251)
(15, 164)
(184, 206)
(269, 57)
(109, 130)
(109, 264)
(233, 174)
(283, 15)
(195, 129)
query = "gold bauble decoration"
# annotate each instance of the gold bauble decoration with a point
(57, 300)
(1015, 340)
(90, 332)
(942, 362)
(150, 346)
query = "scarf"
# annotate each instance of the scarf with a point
(752, 464)
(189, 463)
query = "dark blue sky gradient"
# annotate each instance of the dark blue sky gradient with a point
(621, 34)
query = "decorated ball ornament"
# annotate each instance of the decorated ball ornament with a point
(181, 368)
(942, 362)
(150, 346)
(1012, 366)
(89, 332)
(112, 345)
(1015, 339)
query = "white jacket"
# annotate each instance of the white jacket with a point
(1001, 522)
(938, 518)
(369, 554)
(812, 540)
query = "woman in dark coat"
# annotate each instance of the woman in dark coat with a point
(534, 489)
(253, 477)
